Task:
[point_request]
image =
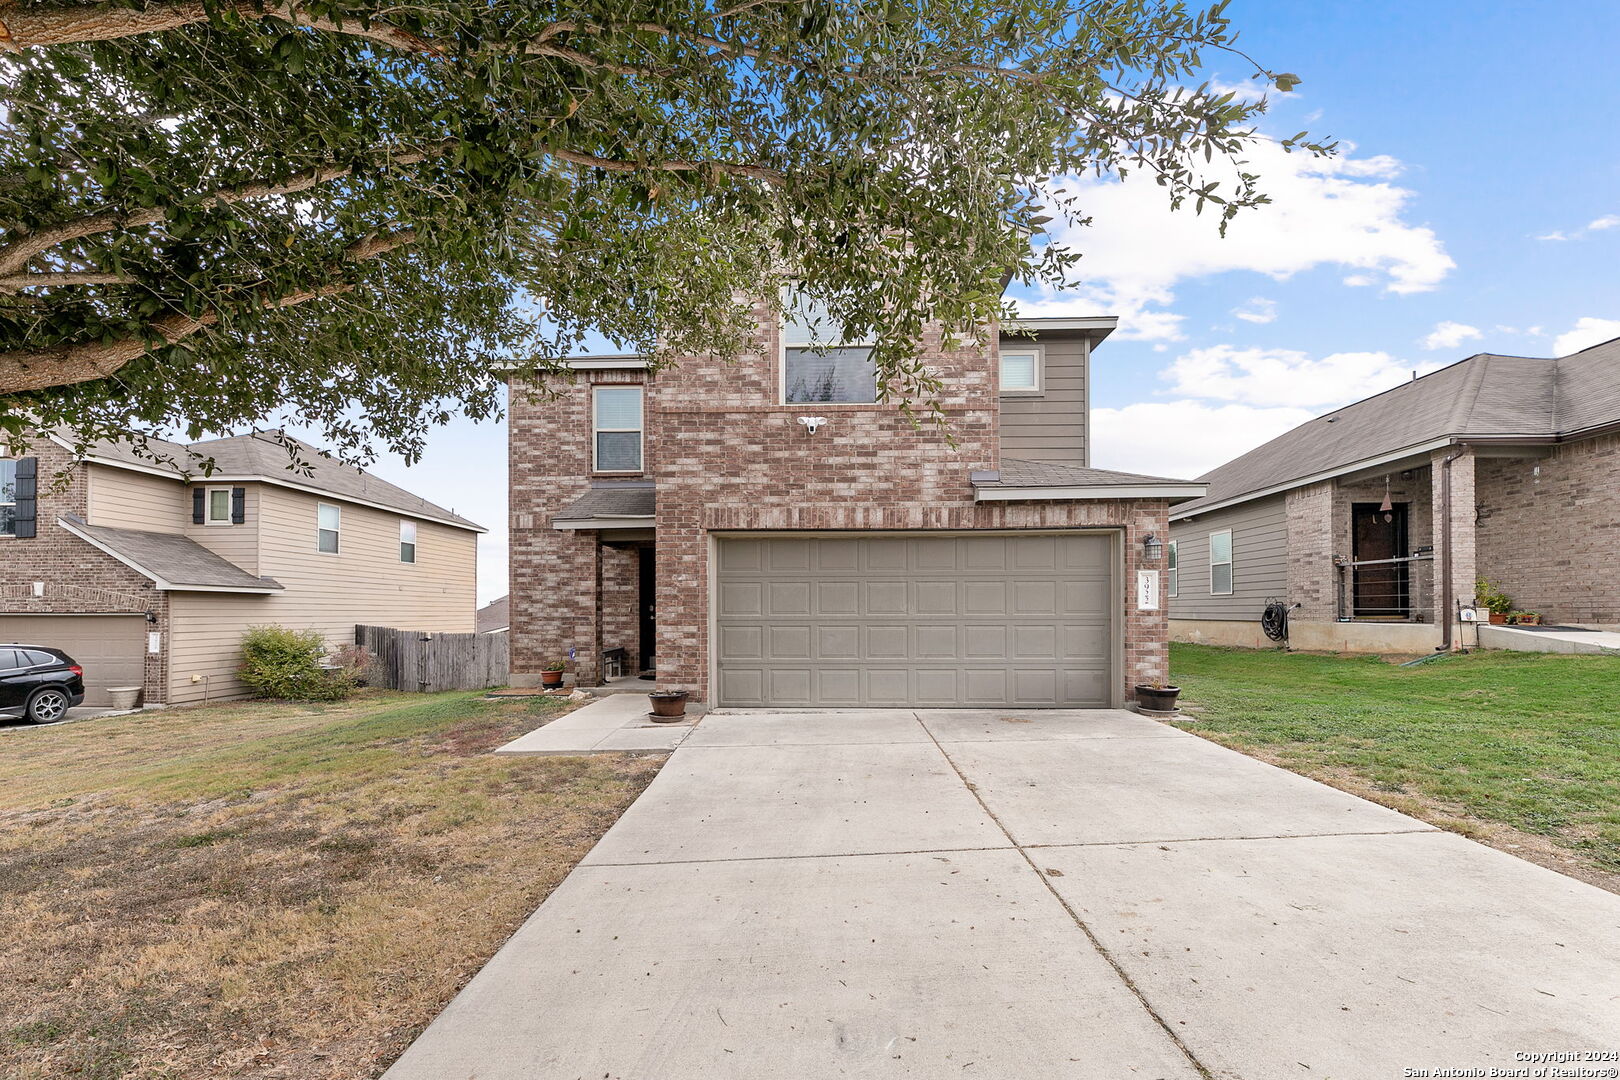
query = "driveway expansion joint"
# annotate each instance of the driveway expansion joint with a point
(1091, 935)
(791, 858)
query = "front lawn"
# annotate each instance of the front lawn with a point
(272, 890)
(1509, 747)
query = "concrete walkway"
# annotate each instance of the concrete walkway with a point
(615, 723)
(1025, 895)
(1554, 641)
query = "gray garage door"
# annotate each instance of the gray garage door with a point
(929, 621)
(110, 648)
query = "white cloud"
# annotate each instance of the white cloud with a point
(1584, 334)
(1184, 439)
(1284, 377)
(1598, 224)
(1257, 310)
(1449, 335)
(1342, 211)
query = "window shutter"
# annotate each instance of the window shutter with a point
(27, 493)
(199, 498)
(238, 505)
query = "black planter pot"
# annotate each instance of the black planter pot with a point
(1160, 699)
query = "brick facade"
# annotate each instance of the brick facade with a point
(78, 579)
(1546, 530)
(1312, 544)
(727, 455)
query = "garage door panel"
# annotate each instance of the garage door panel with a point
(110, 648)
(928, 621)
(838, 598)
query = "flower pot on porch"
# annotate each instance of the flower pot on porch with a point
(551, 678)
(1498, 618)
(668, 706)
(1157, 699)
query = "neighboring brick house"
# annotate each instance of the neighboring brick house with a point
(1346, 517)
(149, 575)
(763, 533)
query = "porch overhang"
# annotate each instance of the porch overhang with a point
(611, 506)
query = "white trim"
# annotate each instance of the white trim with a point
(1039, 389)
(623, 522)
(1092, 492)
(1172, 570)
(608, 363)
(640, 429)
(208, 506)
(1230, 563)
(1314, 478)
(1089, 322)
(162, 584)
(319, 528)
(222, 478)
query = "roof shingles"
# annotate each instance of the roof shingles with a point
(169, 558)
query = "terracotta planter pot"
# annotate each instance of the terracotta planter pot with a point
(667, 705)
(551, 678)
(1498, 618)
(1159, 699)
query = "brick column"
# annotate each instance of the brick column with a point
(1462, 570)
(1313, 580)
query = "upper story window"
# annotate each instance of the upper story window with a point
(1021, 371)
(1220, 563)
(329, 525)
(219, 506)
(8, 497)
(1172, 571)
(818, 364)
(617, 428)
(407, 541)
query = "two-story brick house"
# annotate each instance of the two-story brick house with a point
(766, 533)
(149, 573)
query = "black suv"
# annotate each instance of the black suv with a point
(38, 683)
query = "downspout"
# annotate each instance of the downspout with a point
(1447, 599)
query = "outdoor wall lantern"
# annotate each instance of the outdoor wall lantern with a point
(1152, 548)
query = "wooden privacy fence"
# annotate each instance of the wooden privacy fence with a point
(428, 662)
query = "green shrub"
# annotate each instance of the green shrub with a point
(278, 662)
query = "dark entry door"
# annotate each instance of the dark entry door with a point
(1382, 589)
(649, 609)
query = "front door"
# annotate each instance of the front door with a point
(649, 609)
(1380, 587)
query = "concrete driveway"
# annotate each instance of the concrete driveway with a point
(1026, 895)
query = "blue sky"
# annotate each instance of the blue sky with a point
(1475, 207)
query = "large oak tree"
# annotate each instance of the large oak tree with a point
(359, 210)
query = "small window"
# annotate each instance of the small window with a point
(329, 524)
(8, 497)
(1172, 571)
(819, 364)
(1021, 371)
(219, 506)
(1220, 563)
(407, 541)
(618, 428)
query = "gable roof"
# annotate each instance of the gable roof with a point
(1483, 398)
(493, 616)
(172, 561)
(262, 457)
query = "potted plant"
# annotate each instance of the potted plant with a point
(551, 672)
(1157, 697)
(1526, 618)
(1489, 596)
(668, 706)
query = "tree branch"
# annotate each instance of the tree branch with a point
(15, 255)
(78, 362)
(11, 283)
(70, 23)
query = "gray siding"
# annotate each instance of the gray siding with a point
(1259, 560)
(1050, 426)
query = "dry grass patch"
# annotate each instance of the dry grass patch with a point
(272, 890)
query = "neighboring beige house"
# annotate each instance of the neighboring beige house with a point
(148, 573)
(1373, 522)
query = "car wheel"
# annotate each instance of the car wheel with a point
(47, 706)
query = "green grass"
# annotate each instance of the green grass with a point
(1528, 740)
